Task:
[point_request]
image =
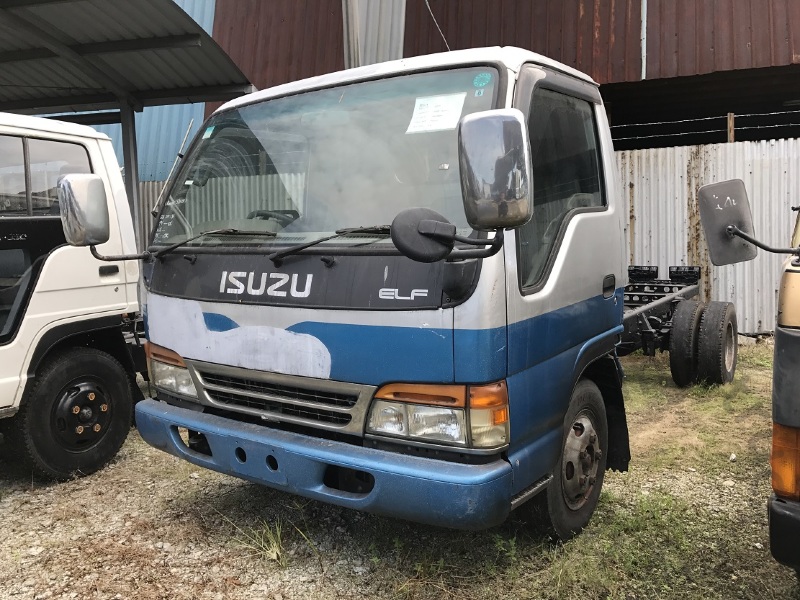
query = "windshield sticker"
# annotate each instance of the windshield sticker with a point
(207, 133)
(482, 80)
(436, 113)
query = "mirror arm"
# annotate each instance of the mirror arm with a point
(733, 230)
(146, 256)
(492, 249)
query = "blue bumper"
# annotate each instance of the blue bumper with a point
(417, 489)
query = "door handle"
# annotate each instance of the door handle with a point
(609, 286)
(106, 270)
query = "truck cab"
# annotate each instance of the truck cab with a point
(66, 371)
(398, 288)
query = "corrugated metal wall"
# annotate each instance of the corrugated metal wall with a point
(160, 129)
(373, 31)
(664, 227)
(599, 37)
(691, 37)
(277, 41)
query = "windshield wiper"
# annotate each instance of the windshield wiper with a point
(374, 229)
(168, 249)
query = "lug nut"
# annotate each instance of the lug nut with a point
(598, 454)
(582, 454)
(76, 409)
(103, 407)
(582, 481)
(592, 439)
(96, 427)
(79, 429)
(91, 396)
(592, 480)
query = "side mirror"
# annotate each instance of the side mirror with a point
(84, 212)
(722, 205)
(495, 163)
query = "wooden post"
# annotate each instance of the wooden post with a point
(730, 127)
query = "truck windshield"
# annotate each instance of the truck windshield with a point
(313, 163)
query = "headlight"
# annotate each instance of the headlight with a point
(474, 416)
(173, 379)
(426, 423)
(168, 371)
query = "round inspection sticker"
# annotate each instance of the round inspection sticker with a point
(481, 80)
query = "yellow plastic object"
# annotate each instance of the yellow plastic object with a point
(785, 460)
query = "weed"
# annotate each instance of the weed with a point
(264, 542)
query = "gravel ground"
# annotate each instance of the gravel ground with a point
(150, 526)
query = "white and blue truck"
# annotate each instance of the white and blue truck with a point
(400, 288)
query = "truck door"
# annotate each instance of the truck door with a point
(30, 230)
(565, 267)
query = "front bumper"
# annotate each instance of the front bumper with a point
(418, 489)
(784, 530)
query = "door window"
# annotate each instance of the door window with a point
(13, 198)
(566, 176)
(49, 160)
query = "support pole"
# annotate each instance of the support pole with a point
(131, 163)
(731, 136)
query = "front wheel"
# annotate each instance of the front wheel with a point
(578, 477)
(77, 414)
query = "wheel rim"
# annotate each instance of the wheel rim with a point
(579, 466)
(81, 415)
(730, 348)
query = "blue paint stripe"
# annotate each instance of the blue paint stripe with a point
(377, 354)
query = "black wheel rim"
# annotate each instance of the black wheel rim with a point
(81, 415)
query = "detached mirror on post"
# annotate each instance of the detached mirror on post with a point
(724, 205)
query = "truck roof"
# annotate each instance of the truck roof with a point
(42, 124)
(510, 56)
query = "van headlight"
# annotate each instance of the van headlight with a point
(466, 416)
(168, 372)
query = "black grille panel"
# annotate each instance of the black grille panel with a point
(280, 408)
(250, 386)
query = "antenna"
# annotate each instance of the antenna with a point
(428, 4)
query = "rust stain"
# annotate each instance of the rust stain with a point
(696, 254)
(631, 215)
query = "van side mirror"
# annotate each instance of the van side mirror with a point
(84, 212)
(495, 163)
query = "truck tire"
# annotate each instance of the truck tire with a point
(574, 490)
(718, 347)
(683, 341)
(76, 416)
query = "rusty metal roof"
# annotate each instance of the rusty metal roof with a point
(68, 55)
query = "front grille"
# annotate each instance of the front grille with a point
(284, 391)
(279, 408)
(308, 401)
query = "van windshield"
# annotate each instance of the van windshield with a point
(313, 163)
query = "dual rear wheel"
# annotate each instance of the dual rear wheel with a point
(703, 343)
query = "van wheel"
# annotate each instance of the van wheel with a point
(77, 414)
(718, 347)
(578, 477)
(683, 341)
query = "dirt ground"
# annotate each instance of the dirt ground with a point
(688, 520)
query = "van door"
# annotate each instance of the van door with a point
(565, 267)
